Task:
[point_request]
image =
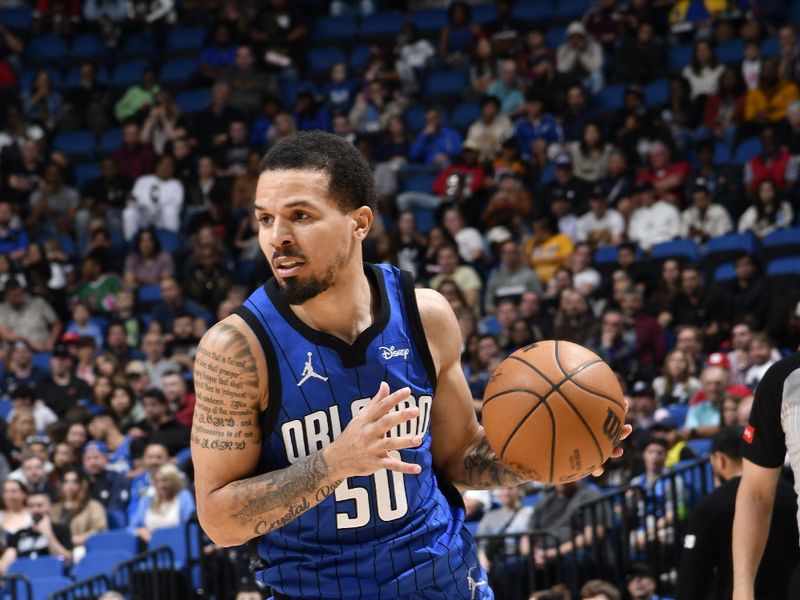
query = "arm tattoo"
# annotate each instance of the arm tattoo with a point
(483, 469)
(273, 499)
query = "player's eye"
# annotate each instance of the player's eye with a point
(300, 216)
(266, 220)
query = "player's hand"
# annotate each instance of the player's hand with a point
(364, 447)
(617, 451)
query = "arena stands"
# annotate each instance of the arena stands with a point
(619, 174)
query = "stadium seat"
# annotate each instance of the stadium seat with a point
(381, 25)
(5, 408)
(531, 499)
(414, 118)
(725, 248)
(73, 76)
(425, 219)
(429, 20)
(548, 174)
(724, 272)
(445, 83)
(571, 9)
(148, 294)
(334, 29)
(43, 566)
(169, 240)
(747, 150)
(127, 74)
(679, 57)
(320, 60)
(359, 57)
(419, 183)
(193, 101)
(781, 242)
(701, 447)
(681, 249)
(88, 47)
(120, 540)
(678, 412)
(554, 37)
(182, 39)
(657, 92)
(175, 538)
(483, 14)
(532, 12)
(606, 255)
(28, 75)
(111, 140)
(611, 97)
(731, 51)
(784, 266)
(136, 46)
(116, 518)
(44, 586)
(464, 115)
(177, 72)
(46, 49)
(722, 153)
(77, 145)
(41, 360)
(18, 18)
(100, 562)
(290, 90)
(770, 47)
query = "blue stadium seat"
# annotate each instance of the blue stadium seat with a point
(425, 219)
(483, 14)
(747, 150)
(320, 60)
(77, 145)
(19, 18)
(183, 456)
(531, 499)
(111, 140)
(127, 74)
(381, 25)
(175, 538)
(571, 9)
(731, 51)
(193, 101)
(656, 92)
(290, 89)
(678, 412)
(185, 38)
(532, 12)
(770, 47)
(5, 408)
(117, 519)
(177, 71)
(137, 45)
(334, 29)
(464, 115)
(41, 360)
(784, 266)
(555, 36)
(44, 566)
(429, 20)
(74, 74)
(100, 562)
(611, 97)
(731, 243)
(686, 249)
(606, 255)
(725, 272)
(414, 118)
(701, 447)
(28, 75)
(359, 56)
(169, 240)
(782, 242)
(548, 173)
(419, 183)
(148, 294)
(44, 586)
(445, 83)
(88, 47)
(679, 57)
(722, 153)
(119, 540)
(48, 49)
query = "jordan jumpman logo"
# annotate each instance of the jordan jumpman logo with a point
(308, 373)
(474, 584)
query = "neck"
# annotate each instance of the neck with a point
(343, 310)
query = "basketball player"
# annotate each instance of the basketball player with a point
(332, 414)
(773, 430)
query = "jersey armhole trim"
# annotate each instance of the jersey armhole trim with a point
(415, 324)
(269, 417)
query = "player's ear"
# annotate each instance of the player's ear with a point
(362, 221)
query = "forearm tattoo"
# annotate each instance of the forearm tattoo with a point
(483, 469)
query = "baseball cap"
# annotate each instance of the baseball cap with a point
(718, 359)
(61, 351)
(642, 388)
(576, 28)
(470, 145)
(97, 445)
(700, 184)
(70, 337)
(563, 160)
(23, 390)
(135, 367)
(665, 424)
(640, 569)
(498, 235)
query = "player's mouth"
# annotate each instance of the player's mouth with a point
(286, 266)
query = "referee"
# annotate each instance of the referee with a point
(773, 429)
(706, 571)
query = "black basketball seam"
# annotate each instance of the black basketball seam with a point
(563, 397)
(508, 391)
(587, 389)
(525, 362)
(542, 400)
(552, 444)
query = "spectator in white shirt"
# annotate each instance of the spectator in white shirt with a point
(602, 225)
(469, 240)
(489, 131)
(760, 353)
(704, 72)
(751, 65)
(704, 219)
(157, 201)
(655, 221)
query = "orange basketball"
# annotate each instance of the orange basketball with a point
(553, 411)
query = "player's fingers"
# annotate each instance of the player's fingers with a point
(598, 472)
(395, 418)
(383, 391)
(400, 443)
(386, 404)
(626, 431)
(617, 452)
(399, 466)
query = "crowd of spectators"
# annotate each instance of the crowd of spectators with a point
(572, 135)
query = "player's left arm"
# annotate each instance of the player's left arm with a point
(458, 443)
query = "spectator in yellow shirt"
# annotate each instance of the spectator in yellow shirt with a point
(771, 99)
(547, 249)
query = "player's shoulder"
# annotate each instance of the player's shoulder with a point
(434, 310)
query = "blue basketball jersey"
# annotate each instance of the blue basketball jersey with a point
(388, 535)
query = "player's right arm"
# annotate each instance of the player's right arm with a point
(233, 504)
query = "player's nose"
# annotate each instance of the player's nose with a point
(281, 234)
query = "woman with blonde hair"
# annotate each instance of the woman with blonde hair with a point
(678, 383)
(21, 426)
(171, 505)
(77, 510)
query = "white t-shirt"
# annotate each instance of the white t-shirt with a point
(158, 202)
(469, 241)
(593, 229)
(652, 225)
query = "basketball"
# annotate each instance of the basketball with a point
(553, 411)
